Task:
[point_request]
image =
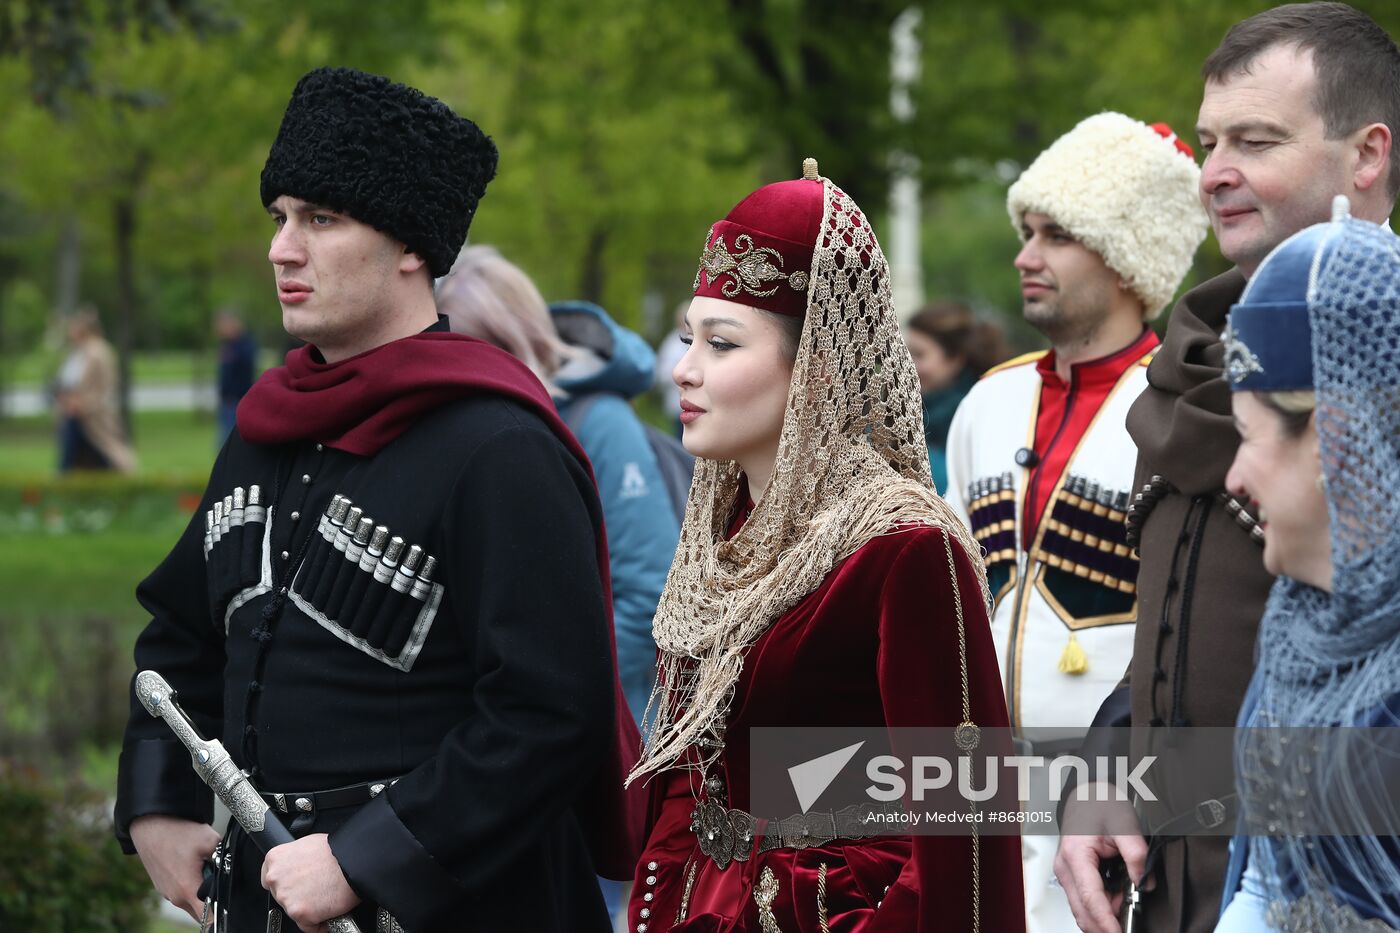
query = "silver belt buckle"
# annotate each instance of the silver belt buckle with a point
(806, 830)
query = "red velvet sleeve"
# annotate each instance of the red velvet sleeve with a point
(921, 685)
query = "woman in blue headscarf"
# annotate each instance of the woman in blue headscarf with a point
(1313, 356)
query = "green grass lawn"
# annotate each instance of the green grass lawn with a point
(71, 553)
(68, 623)
(157, 366)
(79, 576)
(168, 443)
(148, 367)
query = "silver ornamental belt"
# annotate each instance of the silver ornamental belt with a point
(728, 835)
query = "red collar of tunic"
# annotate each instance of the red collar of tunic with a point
(1067, 408)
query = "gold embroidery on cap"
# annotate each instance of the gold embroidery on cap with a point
(749, 268)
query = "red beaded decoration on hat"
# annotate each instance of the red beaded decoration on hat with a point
(1167, 133)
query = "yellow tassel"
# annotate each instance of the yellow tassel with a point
(1073, 660)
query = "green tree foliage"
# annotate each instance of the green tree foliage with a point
(618, 139)
(625, 128)
(55, 38)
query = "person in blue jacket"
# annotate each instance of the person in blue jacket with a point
(1312, 354)
(592, 367)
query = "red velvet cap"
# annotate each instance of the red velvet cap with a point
(760, 254)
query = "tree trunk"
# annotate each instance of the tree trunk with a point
(69, 271)
(124, 227)
(4, 354)
(591, 277)
(124, 234)
(203, 360)
(1024, 36)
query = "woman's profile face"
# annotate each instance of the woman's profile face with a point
(734, 381)
(1280, 473)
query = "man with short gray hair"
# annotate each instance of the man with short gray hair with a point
(1301, 103)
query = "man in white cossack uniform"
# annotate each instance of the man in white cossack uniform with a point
(1039, 462)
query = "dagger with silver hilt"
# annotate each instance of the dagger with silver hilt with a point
(215, 767)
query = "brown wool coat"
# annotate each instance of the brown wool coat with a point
(1201, 583)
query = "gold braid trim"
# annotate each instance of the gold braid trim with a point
(685, 895)
(821, 899)
(967, 737)
(764, 894)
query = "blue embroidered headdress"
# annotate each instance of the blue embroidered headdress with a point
(1328, 659)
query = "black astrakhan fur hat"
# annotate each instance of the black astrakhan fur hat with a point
(386, 154)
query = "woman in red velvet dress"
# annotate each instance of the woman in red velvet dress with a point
(819, 581)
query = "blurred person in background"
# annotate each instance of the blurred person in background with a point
(668, 353)
(592, 376)
(238, 366)
(951, 349)
(90, 431)
(1312, 356)
(1039, 461)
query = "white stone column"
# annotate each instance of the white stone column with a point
(906, 222)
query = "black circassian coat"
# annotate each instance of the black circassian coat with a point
(492, 728)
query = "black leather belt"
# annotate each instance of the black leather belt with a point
(306, 805)
(727, 835)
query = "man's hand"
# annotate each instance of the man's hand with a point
(305, 878)
(173, 853)
(1101, 830)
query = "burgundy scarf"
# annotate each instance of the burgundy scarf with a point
(360, 405)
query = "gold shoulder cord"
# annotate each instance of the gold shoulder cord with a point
(967, 736)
